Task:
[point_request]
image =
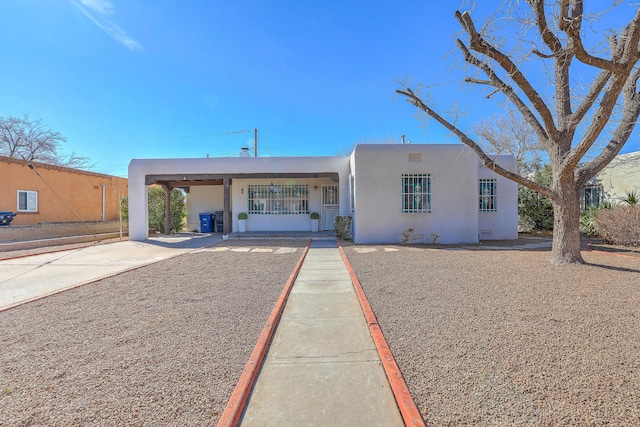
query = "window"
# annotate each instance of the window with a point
(487, 195)
(593, 195)
(416, 193)
(27, 201)
(278, 199)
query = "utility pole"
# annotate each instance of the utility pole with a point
(255, 142)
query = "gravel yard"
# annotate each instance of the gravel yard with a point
(497, 338)
(483, 337)
(160, 345)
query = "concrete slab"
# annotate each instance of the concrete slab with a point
(322, 367)
(322, 394)
(312, 305)
(23, 279)
(329, 264)
(322, 287)
(322, 275)
(320, 340)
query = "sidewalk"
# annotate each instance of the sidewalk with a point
(322, 367)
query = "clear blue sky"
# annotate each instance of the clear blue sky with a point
(123, 79)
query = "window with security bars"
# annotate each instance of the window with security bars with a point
(488, 195)
(277, 199)
(592, 195)
(416, 193)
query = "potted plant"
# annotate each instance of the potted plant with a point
(242, 222)
(314, 221)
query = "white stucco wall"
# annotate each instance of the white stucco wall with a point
(248, 166)
(284, 222)
(502, 224)
(454, 212)
(200, 199)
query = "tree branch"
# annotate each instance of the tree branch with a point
(477, 43)
(620, 135)
(486, 160)
(508, 91)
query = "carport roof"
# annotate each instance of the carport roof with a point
(191, 180)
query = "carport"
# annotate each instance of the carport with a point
(246, 173)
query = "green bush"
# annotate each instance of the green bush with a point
(242, 215)
(342, 227)
(156, 209)
(535, 211)
(315, 215)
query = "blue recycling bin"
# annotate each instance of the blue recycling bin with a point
(6, 218)
(206, 222)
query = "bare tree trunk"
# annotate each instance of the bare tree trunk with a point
(566, 224)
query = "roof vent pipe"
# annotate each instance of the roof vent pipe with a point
(244, 152)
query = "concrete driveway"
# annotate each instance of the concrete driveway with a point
(28, 278)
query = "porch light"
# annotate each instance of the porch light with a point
(242, 190)
(271, 187)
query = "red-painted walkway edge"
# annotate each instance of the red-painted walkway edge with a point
(408, 409)
(238, 400)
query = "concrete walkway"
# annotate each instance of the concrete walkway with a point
(322, 367)
(32, 277)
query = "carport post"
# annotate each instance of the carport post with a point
(226, 219)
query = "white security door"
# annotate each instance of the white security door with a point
(330, 206)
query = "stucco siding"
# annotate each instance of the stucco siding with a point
(200, 199)
(378, 214)
(622, 175)
(63, 194)
(503, 223)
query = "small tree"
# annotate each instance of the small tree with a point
(570, 118)
(31, 140)
(156, 208)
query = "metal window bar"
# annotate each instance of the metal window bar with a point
(416, 193)
(592, 196)
(278, 199)
(488, 195)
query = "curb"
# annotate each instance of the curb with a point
(408, 409)
(238, 400)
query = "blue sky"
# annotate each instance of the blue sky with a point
(174, 78)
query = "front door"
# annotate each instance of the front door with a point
(330, 206)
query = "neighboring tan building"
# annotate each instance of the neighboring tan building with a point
(440, 191)
(46, 193)
(612, 184)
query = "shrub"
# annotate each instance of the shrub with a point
(156, 209)
(620, 226)
(342, 227)
(242, 215)
(315, 215)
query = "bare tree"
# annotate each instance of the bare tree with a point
(574, 117)
(510, 134)
(31, 140)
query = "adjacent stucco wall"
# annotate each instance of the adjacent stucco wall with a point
(140, 168)
(64, 194)
(502, 224)
(622, 175)
(201, 199)
(378, 170)
(290, 222)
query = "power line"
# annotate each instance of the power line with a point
(234, 132)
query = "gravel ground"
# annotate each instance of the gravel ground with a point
(502, 338)
(160, 345)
